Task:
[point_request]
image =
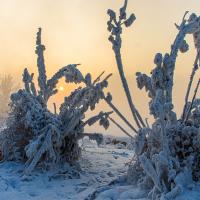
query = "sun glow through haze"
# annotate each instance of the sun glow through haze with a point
(61, 88)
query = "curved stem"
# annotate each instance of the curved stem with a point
(119, 126)
(98, 78)
(190, 83)
(135, 113)
(120, 114)
(191, 105)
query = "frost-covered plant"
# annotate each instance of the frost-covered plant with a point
(166, 153)
(37, 136)
(115, 28)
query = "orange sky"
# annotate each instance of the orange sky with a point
(75, 32)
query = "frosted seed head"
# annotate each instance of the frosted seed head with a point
(88, 79)
(184, 47)
(26, 76)
(106, 123)
(122, 13)
(130, 20)
(109, 97)
(112, 14)
(38, 39)
(140, 80)
(192, 18)
(110, 26)
(158, 59)
(111, 39)
(166, 60)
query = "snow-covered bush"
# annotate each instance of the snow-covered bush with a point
(37, 136)
(167, 152)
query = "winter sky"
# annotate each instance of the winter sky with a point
(74, 31)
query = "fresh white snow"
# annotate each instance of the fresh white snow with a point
(99, 167)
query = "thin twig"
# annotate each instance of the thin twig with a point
(135, 113)
(120, 115)
(195, 67)
(147, 123)
(98, 78)
(107, 77)
(194, 97)
(97, 116)
(54, 106)
(119, 126)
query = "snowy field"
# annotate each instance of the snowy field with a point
(99, 167)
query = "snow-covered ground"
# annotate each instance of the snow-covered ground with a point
(99, 167)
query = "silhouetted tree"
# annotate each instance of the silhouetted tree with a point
(7, 86)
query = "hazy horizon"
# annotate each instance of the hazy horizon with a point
(76, 32)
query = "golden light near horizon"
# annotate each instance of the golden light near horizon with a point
(76, 32)
(61, 88)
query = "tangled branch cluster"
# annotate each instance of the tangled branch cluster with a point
(37, 136)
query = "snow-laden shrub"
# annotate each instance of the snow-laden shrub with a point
(34, 134)
(167, 152)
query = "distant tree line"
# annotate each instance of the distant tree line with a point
(7, 86)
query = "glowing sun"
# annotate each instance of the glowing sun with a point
(61, 88)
